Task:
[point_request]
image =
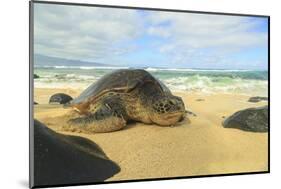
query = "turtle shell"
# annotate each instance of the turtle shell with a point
(123, 81)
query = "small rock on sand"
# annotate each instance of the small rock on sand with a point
(60, 98)
(257, 99)
(35, 76)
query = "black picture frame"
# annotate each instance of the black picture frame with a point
(31, 64)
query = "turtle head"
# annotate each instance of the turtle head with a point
(167, 110)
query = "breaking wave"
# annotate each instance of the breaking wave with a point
(207, 81)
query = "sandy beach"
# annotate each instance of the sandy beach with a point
(198, 146)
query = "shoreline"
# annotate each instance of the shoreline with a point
(188, 80)
(200, 146)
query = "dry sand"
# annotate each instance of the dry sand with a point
(200, 146)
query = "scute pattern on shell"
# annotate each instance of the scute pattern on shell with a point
(118, 81)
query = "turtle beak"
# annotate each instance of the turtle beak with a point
(182, 118)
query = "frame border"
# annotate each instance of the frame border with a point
(31, 90)
(31, 95)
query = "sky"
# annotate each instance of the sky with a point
(145, 38)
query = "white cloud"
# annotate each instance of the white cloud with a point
(83, 32)
(108, 35)
(205, 30)
(187, 35)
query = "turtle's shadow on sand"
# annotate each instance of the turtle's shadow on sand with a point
(130, 125)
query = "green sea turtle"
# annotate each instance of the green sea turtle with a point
(124, 95)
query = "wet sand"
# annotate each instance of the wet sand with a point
(198, 146)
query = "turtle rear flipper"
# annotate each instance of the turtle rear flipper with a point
(105, 119)
(89, 124)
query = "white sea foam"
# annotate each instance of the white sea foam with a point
(85, 67)
(208, 85)
(196, 84)
(190, 80)
(193, 70)
(152, 69)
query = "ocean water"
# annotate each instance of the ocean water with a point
(197, 80)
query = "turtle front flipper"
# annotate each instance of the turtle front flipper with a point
(105, 119)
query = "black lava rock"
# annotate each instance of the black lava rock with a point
(62, 159)
(251, 119)
(35, 76)
(257, 99)
(60, 98)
